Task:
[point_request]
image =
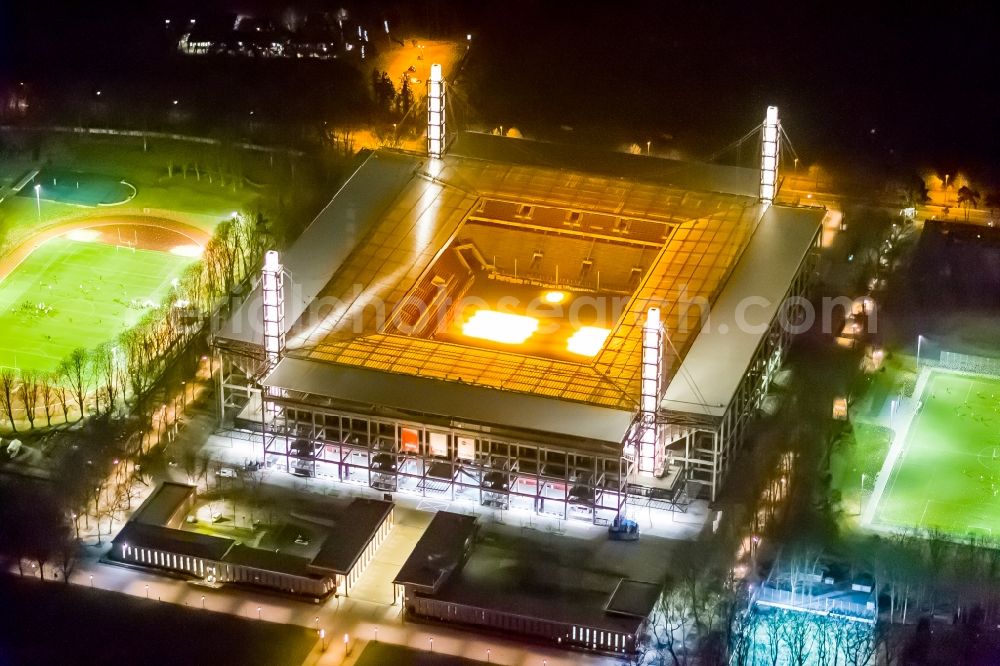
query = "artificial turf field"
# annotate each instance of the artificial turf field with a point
(948, 475)
(68, 294)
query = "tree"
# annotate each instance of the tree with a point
(48, 393)
(8, 387)
(74, 369)
(968, 197)
(28, 392)
(405, 100)
(104, 364)
(383, 92)
(915, 192)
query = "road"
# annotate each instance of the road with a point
(361, 621)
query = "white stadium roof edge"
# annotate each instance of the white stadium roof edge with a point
(710, 373)
(707, 379)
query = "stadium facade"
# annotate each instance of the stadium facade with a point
(524, 325)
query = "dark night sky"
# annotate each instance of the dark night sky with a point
(924, 78)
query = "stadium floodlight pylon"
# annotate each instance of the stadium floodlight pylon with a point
(272, 290)
(770, 149)
(435, 112)
(652, 380)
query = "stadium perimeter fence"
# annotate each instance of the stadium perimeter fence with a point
(971, 363)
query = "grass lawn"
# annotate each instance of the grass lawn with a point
(948, 476)
(77, 187)
(68, 294)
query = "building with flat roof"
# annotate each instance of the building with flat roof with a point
(449, 578)
(472, 327)
(327, 553)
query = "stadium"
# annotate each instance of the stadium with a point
(523, 325)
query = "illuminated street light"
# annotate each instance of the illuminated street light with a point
(258, 612)
(38, 199)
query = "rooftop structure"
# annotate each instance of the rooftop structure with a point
(155, 536)
(441, 549)
(493, 584)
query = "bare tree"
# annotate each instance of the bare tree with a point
(62, 396)
(28, 392)
(47, 392)
(8, 389)
(74, 369)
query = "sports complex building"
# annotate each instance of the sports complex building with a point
(523, 325)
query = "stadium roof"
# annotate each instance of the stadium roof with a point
(707, 379)
(694, 176)
(450, 400)
(361, 257)
(326, 242)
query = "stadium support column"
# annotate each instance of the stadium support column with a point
(770, 150)
(273, 297)
(652, 355)
(435, 113)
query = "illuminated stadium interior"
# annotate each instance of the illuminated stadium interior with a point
(528, 285)
(443, 252)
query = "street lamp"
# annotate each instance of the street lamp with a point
(147, 591)
(203, 602)
(920, 340)
(258, 612)
(38, 199)
(487, 655)
(431, 639)
(648, 144)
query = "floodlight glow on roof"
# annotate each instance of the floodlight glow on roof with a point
(83, 235)
(554, 297)
(588, 340)
(501, 327)
(186, 250)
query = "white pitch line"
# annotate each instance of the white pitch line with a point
(895, 450)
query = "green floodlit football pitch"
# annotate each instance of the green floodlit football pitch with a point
(68, 294)
(948, 475)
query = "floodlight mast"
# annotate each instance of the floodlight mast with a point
(272, 289)
(273, 301)
(770, 151)
(652, 356)
(435, 112)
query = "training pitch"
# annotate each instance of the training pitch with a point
(948, 475)
(69, 293)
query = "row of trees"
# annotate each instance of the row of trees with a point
(103, 377)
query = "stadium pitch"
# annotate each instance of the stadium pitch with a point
(70, 293)
(948, 476)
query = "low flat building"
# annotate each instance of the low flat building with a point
(344, 545)
(448, 579)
